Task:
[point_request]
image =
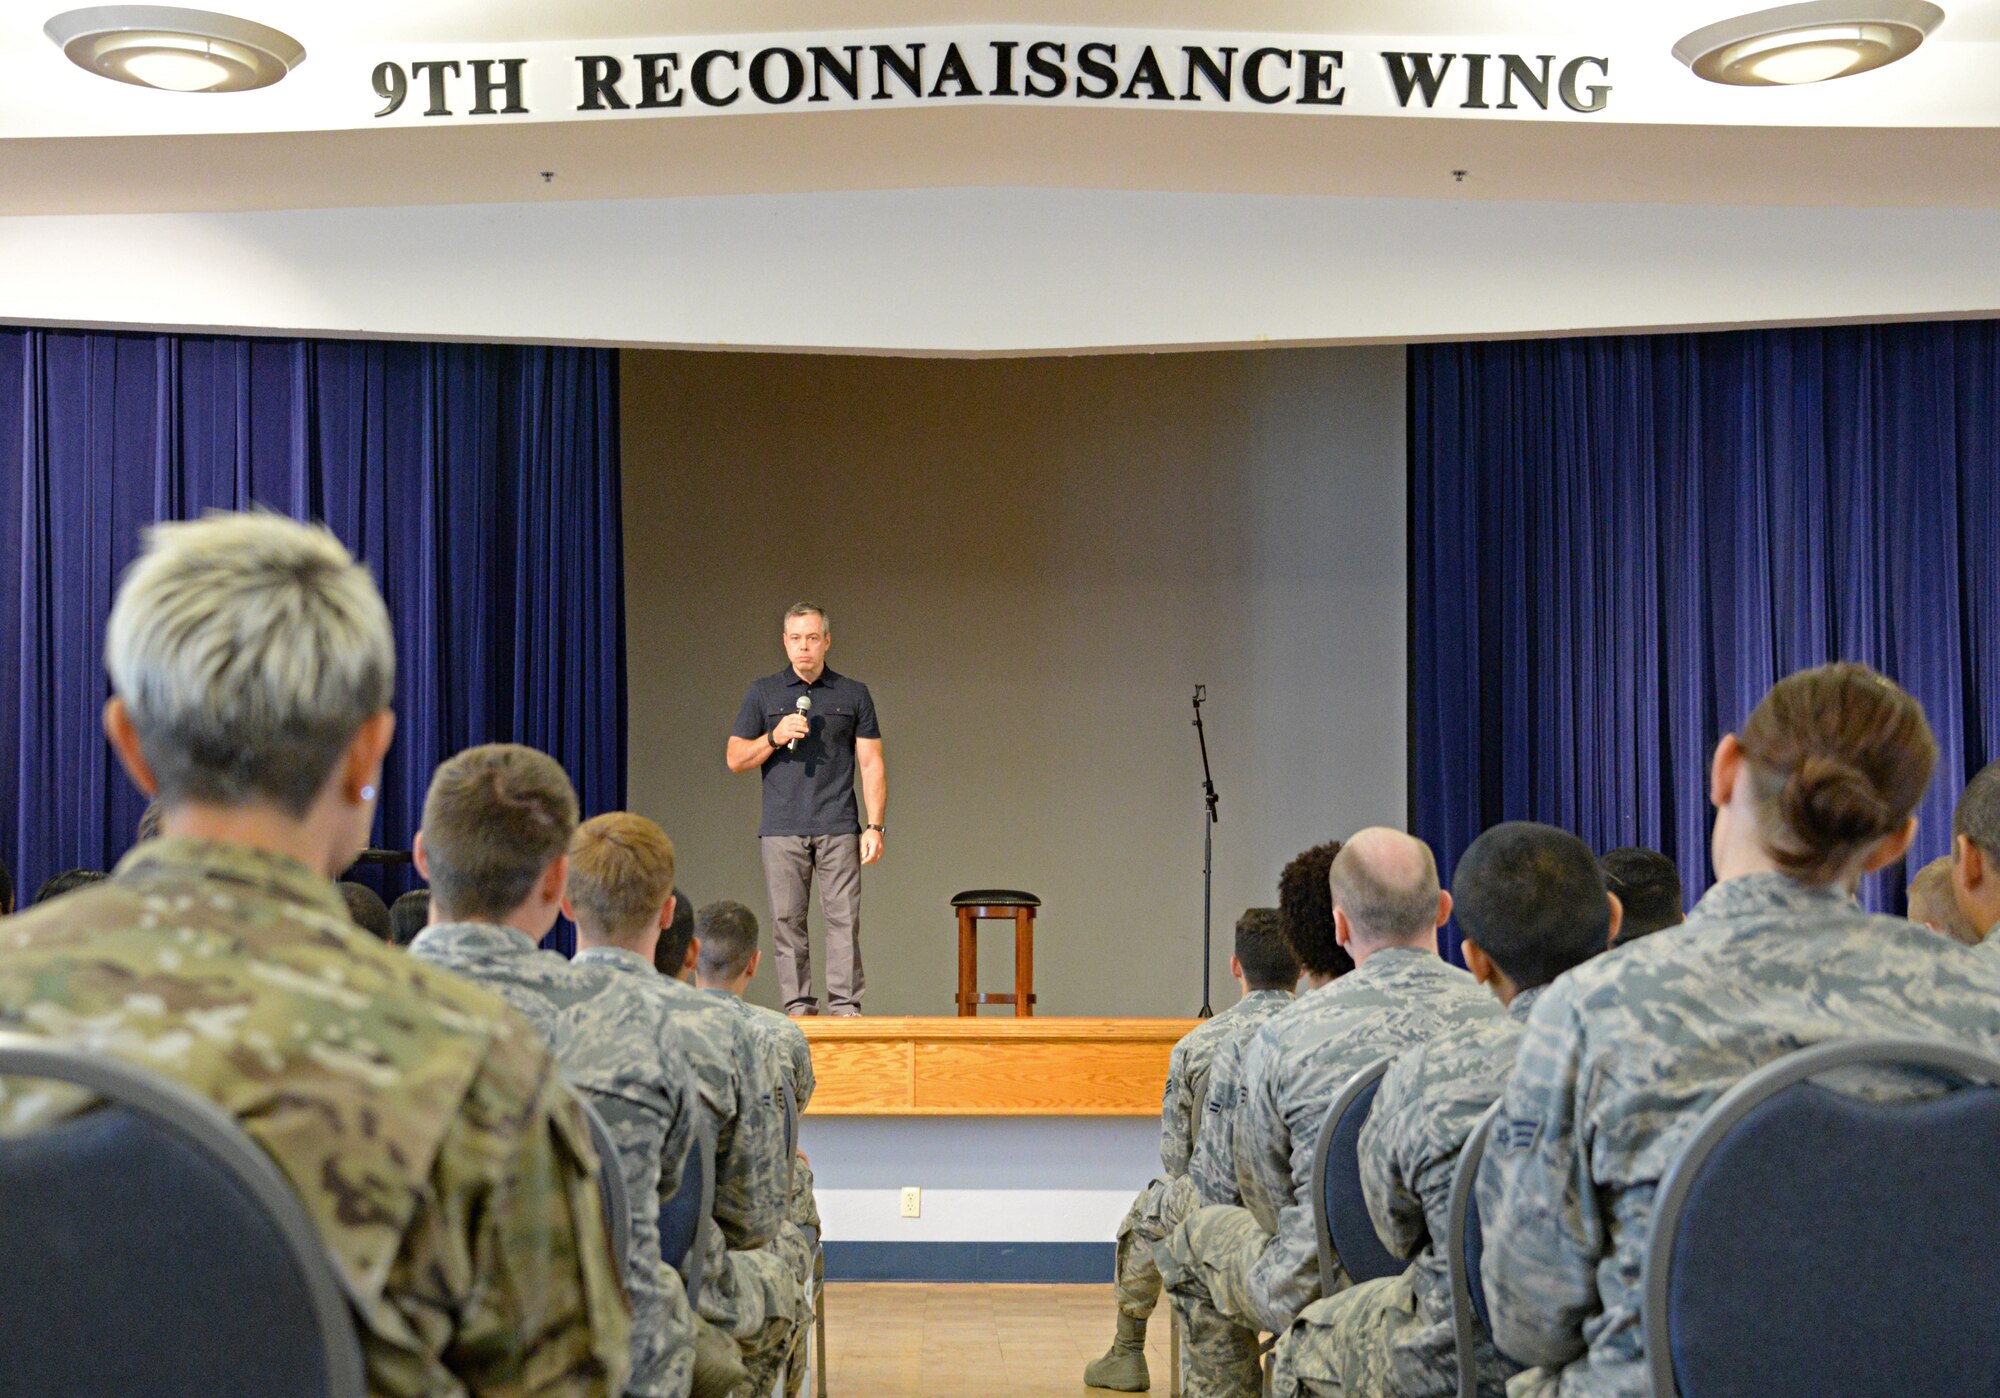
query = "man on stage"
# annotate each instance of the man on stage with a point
(810, 729)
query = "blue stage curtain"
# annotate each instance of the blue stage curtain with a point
(1618, 544)
(480, 483)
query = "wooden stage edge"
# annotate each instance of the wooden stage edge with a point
(992, 1066)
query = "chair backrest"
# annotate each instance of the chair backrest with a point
(1347, 1238)
(610, 1182)
(1464, 1246)
(152, 1247)
(685, 1218)
(1811, 1241)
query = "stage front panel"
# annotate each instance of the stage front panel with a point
(990, 1067)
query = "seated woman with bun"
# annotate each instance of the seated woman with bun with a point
(1622, 1055)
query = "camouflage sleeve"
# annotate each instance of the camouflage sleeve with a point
(1176, 1116)
(1392, 1158)
(681, 1126)
(1212, 1166)
(750, 1183)
(1274, 1161)
(1262, 1144)
(802, 1069)
(1544, 1234)
(508, 1265)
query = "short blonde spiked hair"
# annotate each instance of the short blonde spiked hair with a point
(249, 649)
(621, 869)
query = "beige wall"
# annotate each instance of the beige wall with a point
(1031, 563)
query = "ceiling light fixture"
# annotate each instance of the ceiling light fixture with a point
(1808, 43)
(174, 50)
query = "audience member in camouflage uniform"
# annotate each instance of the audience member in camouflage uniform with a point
(1267, 973)
(725, 964)
(1621, 1057)
(1531, 904)
(420, 1121)
(1975, 856)
(621, 901)
(1242, 1270)
(508, 812)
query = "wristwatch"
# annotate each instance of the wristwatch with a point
(879, 829)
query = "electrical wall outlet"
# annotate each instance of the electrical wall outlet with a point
(913, 1201)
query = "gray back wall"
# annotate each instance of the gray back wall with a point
(1031, 563)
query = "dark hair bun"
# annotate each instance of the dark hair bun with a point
(1828, 803)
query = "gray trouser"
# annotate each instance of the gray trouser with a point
(789, 863)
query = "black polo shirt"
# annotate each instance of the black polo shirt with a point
(809, 790)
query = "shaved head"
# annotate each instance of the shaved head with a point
(1386, 883)
(1932, 903)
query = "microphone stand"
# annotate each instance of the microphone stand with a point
(1207, 852)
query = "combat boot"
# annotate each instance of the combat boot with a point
(1123, 1366)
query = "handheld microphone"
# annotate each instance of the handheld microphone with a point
(804, 706)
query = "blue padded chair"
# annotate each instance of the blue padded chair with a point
(610, 1182)
(1810, 1242)
(151, 1247)
(1347, 1237)
(1463, 1249)
(686, 1218)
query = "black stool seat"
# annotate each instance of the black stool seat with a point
(996, 898)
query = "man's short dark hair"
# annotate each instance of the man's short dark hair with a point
(1648, 884)
(495, 819)
(409, 915)
(728, 933)
(670, 953)
(1305, 911)
(368, 911)
(1261, 949)
(68, 879)
(149, 822)
(1978, 814)
(1531, 897)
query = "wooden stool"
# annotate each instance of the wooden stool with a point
(996, 905)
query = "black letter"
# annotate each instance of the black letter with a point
(1411, 71)
(1254, 65)
(1042, 66)
(656, 79)
(437, 106)
(1003, 68)
(1097, 67)
(391, 86)
(910, 74)
(1220, 79)
(483, 86)
(1320, 65)
(1517, 67)
(698, 77)
(601, 73)
(825, 65)
(1598, 93)
(795, 77)
(1147, 71)
(954, 70)
(1475, 80)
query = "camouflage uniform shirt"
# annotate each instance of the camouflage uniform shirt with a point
(1622, 1055)
(617, 1046)
(787, 1051)
(1182, 1105)
(1294, 1068)
(422, 1123)
(1430, 1099)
